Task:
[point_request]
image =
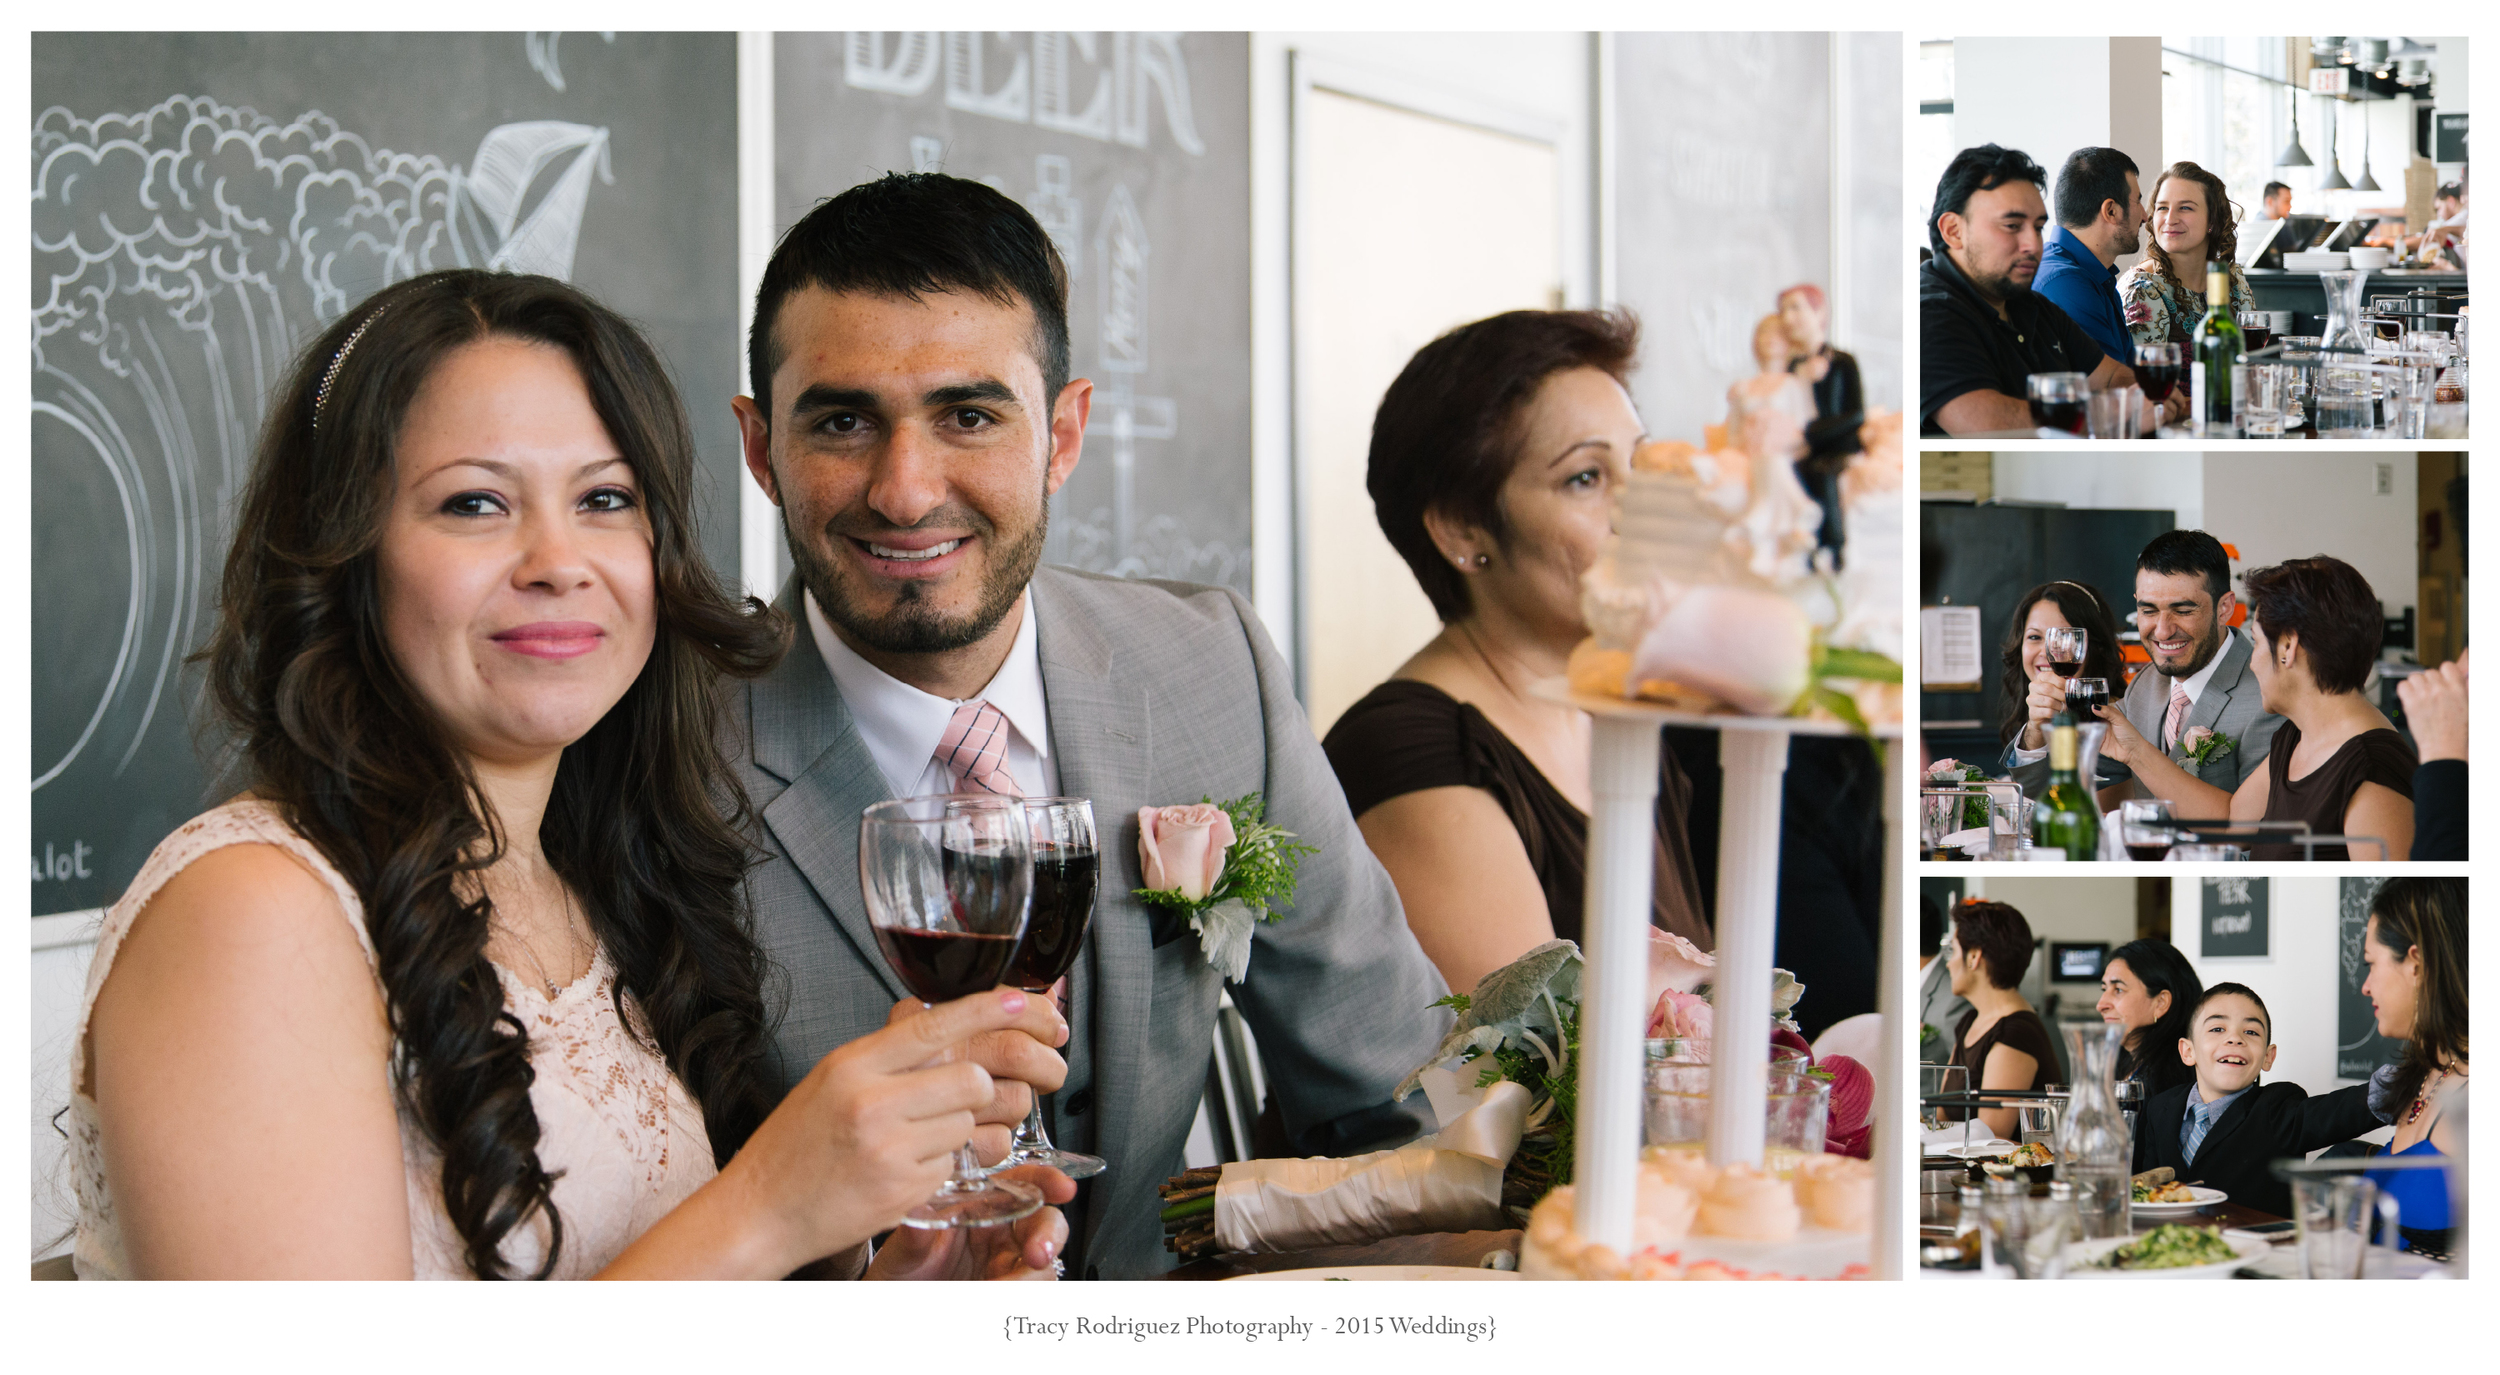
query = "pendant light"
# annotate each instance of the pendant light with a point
(2293, 154)
(2367, 182)
(2334, 178)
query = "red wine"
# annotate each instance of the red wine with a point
(2066, 668)
(1063, 903)
(940, 966)
(2059, 415)
(2159, 380)
(2147, 852)
(2082, 702)
(2258, 336)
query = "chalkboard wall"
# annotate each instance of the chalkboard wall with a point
(1134, 151)
(203, 204)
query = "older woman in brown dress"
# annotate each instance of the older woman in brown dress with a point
(2337, 762)
(1493, 459)
(2001, 1040)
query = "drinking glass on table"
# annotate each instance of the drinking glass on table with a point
(1067, 869)
(948, 881)
(2083, 695)
(2144, 827)
(2266, 399)
(2160, 369)
(2057, 400)
(2112, 414)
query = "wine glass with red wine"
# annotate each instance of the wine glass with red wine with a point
(2160, 369)
(2084, 694)
(2064, 648)
(949, 882)
(1067, 869)
(2057, 400)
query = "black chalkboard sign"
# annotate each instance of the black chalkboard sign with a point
(2448, 128)
(1133, 150)
(2359, 1048)
(2234, 923)
(203, 205)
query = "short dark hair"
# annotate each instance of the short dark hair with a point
(1983, 168)
(1931, 925)
(2243, 990)
(914, 234)
(2091, 178)
(1999, 934)
(2449, 192)
(2188, 551)
(2271, 188)
(1446, 435)
(2329, 605)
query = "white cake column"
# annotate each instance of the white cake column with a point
(1892, 1111)
(1752, 762)
(1614, 941)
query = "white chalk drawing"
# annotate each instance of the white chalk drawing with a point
(1161, 548)
(182, 255)
(540, 48)
(1142, 71)
(1122, 258)
(1061, 214)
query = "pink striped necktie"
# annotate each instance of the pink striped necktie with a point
(974, 750)
(2177, 717)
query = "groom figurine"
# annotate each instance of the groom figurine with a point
(912, 415)
(2199, 682)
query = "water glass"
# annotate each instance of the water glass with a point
(2026, 1237)
(2194, 854)
(1677, 1105)
(2333, 1214)
(2111, 414)
(2009, 825)
(2265, 394)
(2038, 1121)
(2344, 405)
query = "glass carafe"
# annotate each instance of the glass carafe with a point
(2095, 1152)
(2343, 309)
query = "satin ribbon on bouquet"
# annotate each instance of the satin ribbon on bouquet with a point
(1450, 1181)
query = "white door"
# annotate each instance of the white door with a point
(1406, 225)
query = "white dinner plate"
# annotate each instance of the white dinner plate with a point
(1976, 1150)
(2247, 1250)
(2174, 1212)
(1385, 1272)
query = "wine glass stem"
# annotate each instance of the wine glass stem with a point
(967, 1166)
(1032, 1137)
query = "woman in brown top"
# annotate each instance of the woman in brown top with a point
(2001, 1041)
(1493, 459)
(2336, 763)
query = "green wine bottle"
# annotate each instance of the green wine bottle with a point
(2066, 818)
(2219, 348)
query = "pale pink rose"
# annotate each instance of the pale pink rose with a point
(2195, 737)
(1685, 1015)
(1183, 847)
(1676, 963)
(1945, 768)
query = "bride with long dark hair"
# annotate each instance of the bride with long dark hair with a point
(464, 984)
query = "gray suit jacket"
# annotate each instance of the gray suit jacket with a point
(2230, 705)
(1159, 693)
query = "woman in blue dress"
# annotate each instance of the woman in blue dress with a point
(2415, 948)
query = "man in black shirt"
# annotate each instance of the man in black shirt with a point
(1982, 330)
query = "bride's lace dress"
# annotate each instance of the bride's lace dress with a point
(623, 1133)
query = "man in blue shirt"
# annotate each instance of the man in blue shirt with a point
(2100, 216)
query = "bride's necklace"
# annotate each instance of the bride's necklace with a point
(572, 945)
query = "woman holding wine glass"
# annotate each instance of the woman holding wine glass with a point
(2033, 689)
(2194, 224)
(464, 986)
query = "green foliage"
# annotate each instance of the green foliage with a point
(1258, 867)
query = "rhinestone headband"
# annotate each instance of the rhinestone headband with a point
(339, 360)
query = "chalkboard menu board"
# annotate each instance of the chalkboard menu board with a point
(2234, 920)
(1133, 150)
(2358, 1046)
(205, 204)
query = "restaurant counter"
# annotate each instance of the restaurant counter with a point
(2301, 292)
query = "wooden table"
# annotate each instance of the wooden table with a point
(1463, 1249)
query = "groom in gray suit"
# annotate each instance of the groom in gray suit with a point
(2200, 680)
(912, 415)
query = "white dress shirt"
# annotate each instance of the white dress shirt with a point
(2194, 683)
(901, 725)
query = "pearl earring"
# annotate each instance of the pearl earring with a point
(1484, 560)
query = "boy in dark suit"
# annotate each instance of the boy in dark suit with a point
(2226, 1130)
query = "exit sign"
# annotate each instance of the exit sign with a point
(2329, 80)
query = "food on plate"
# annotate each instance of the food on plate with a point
(2032, 1153)
(2173, 1192)
(2171, 1246)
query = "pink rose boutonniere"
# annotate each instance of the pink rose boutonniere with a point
(2203, 745)
(1223, 867)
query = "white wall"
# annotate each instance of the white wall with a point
(2298, 980)
(2068, 909)
(2108, 481)
(2290, 504)
(2051, 96)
